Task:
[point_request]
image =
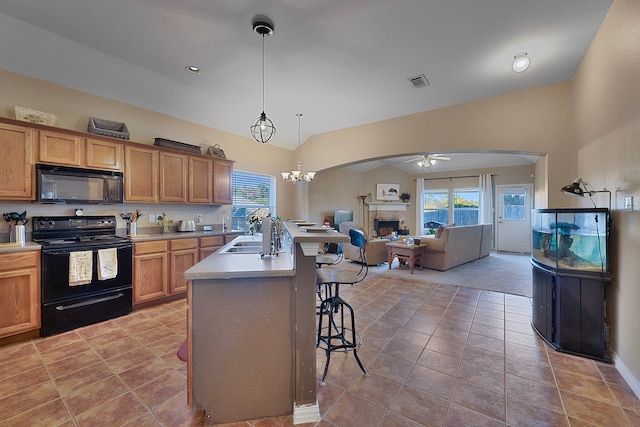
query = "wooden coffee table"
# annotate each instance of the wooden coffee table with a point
(405, 253)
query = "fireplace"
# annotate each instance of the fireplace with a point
(383, 227)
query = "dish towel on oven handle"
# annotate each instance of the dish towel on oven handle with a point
(80, 267)
(107, 264)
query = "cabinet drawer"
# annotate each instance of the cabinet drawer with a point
(141, 248)
(180, 244)
(12, 261)
(211, 241)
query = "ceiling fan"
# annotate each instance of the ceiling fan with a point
(428, 160)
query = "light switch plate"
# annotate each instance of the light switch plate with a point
(628, 203)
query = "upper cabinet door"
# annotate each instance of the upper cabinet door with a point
(104, 155)
(60, 148)
(141, 174)
(222, 176)
(200, 180)
(173, 177)
(17, 165)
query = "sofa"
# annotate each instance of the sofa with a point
(452, 246)
(375, 250)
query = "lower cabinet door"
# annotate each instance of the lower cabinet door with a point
(150, 277)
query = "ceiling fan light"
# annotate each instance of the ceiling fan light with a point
(520, 62)
(285, 175)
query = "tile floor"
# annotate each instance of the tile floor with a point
(437, 355)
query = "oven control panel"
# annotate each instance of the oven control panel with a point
(73, 223)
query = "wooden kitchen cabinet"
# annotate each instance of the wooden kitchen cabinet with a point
(103, 155)
(140, 174)
(222, 180)
(17, 166)
(209, 245)
(200, 180)
(150, 271)
(67, 149)
(19, 292)
(60, 148)
(183, 254)
(173, 177)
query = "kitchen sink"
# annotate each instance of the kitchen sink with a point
(246, 243)
(242, 250)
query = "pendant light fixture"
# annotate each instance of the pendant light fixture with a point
(262, 128)
(298, 175)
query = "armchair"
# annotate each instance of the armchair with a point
(375, 250)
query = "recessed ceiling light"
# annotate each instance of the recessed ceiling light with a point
(193, 69)
(520, 62)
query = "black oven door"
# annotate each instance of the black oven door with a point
(55, 274)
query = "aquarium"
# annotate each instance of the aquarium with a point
(571, 240)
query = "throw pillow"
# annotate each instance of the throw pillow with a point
(439, 231)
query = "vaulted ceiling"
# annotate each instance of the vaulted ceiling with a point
(341, 63)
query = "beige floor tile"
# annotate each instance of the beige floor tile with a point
(118, 347)
(390, 367)
(73, 363)
(376, 388)
(23, 380)
(593, 411)
(482, 376)
(586, 386)
(393, 419)
(521, 414)
(175, 412)
(479, 399)
(27, 399)
(161, 389)
(431, 380)
(95, 394)
(460, 416)
(534, 393)
(347, 405)
(420, 406)
(144, 373)
(53, 413)
(83, 377)
(439, 362)
(115, 412)
(437, 355)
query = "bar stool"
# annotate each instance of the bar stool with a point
(333, 333)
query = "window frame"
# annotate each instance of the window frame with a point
(241, 212)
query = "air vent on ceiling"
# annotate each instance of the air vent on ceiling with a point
(419, 81)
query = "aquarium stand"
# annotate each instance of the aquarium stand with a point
(569, 312)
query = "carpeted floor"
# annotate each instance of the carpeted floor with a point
(500, 272)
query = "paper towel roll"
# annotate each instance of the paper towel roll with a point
(266, 235)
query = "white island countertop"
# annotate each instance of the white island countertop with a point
(220, 265)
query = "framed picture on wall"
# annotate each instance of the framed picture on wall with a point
(388, 192)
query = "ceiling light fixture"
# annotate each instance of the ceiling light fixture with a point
(262, 128)
(427, 162)
(193, 69)
(298, 175)
(520, 62)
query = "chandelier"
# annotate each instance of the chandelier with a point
(297, 175)
(262, 128)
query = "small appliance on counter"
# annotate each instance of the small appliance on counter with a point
(186, 226)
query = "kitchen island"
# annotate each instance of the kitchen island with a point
(251, 330)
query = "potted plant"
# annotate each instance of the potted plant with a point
(405, 197)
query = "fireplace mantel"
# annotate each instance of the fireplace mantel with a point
(388, 206)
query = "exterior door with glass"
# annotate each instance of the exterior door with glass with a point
(514, 204)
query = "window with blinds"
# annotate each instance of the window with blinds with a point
(251, 193)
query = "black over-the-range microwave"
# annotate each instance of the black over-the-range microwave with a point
(61, 184)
